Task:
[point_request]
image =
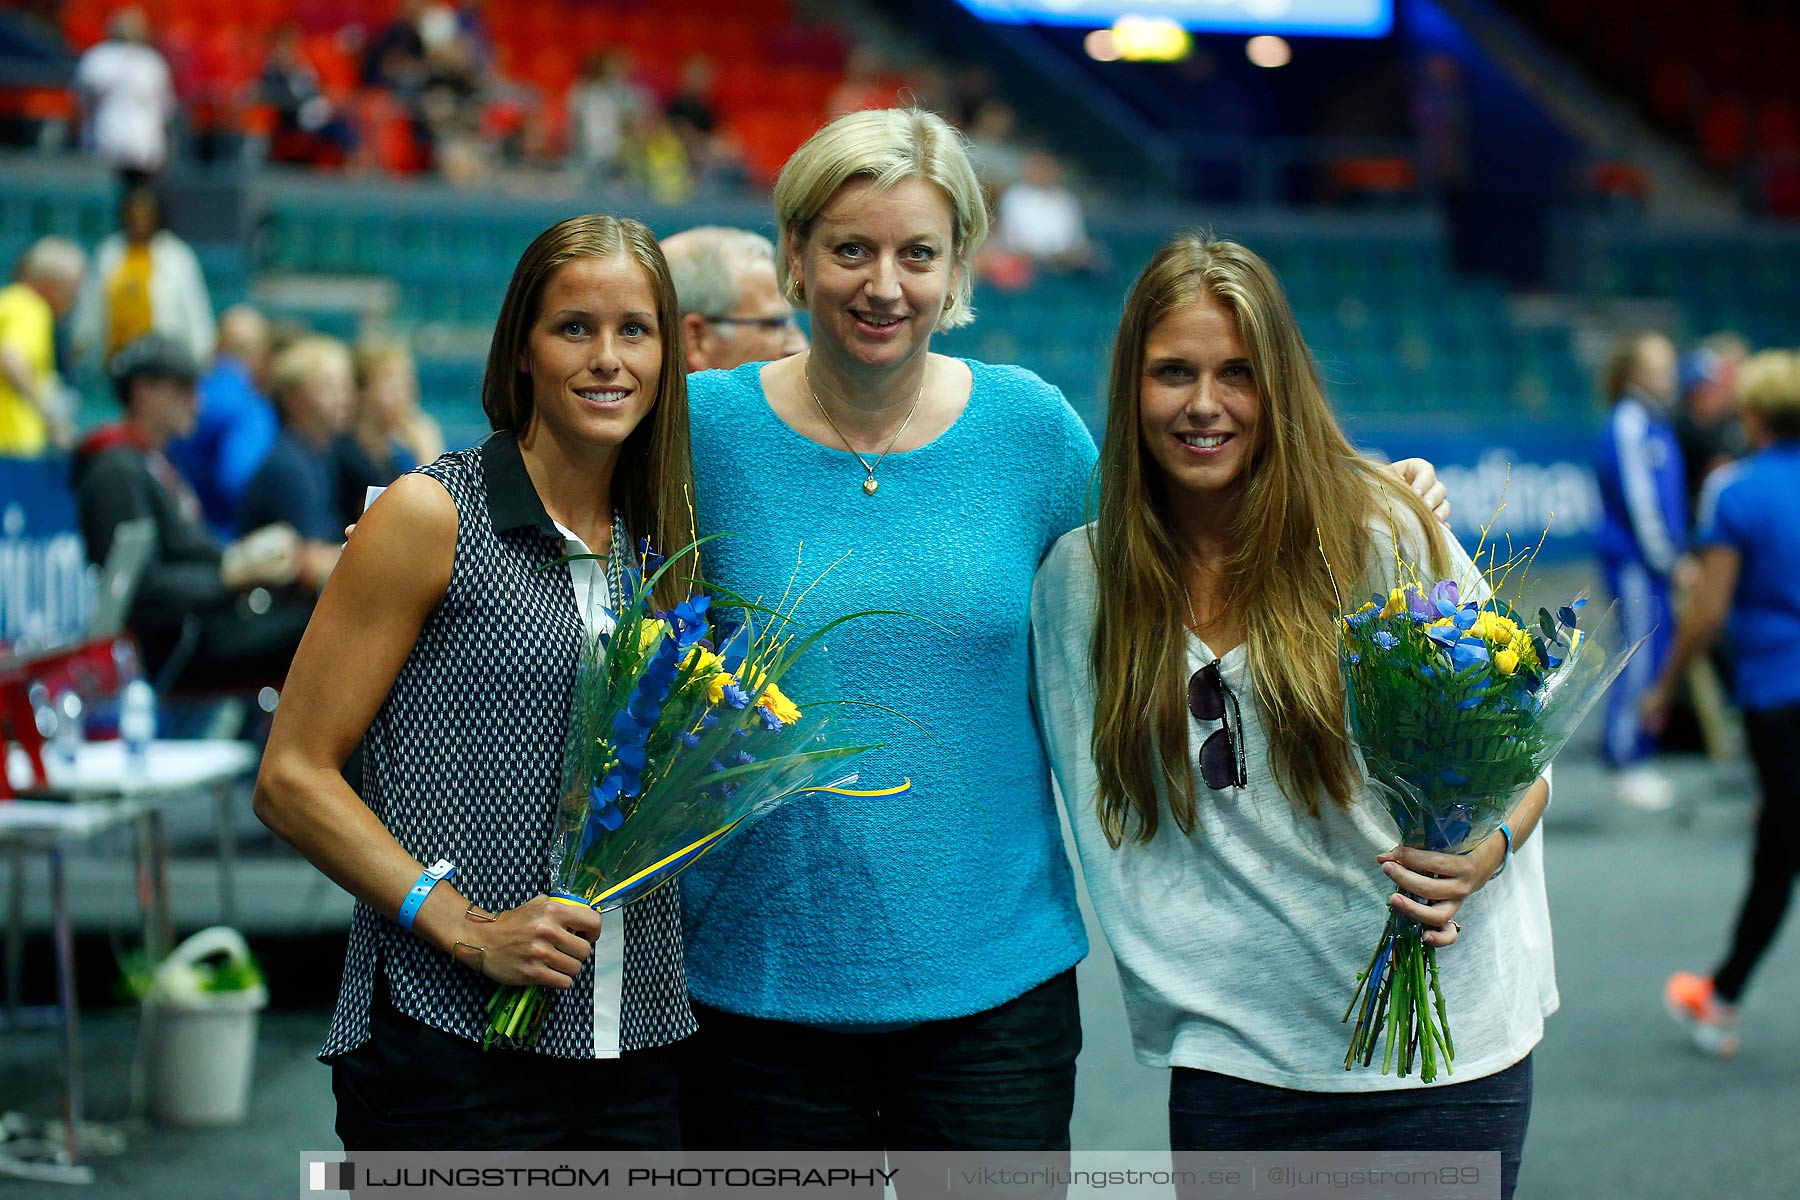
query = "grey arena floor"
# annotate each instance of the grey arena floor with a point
(1623, 1107)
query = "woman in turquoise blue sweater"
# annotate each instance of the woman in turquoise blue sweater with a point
(891, 971)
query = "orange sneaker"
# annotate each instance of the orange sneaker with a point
(1711, 1023)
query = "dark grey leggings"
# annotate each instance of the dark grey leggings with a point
(1217, 1112)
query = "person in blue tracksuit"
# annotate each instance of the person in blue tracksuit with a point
(1643, 528)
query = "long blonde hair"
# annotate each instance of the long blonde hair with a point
(653, 484)
(1308, 490)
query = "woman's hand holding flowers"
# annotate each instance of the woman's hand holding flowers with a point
(1441, 882)
(543, 942)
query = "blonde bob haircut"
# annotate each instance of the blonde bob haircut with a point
(886, 146)
(1769, 386)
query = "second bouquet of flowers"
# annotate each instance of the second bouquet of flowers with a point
(1457, 700)
(676, 742)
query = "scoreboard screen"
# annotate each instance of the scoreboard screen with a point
(1324, 18)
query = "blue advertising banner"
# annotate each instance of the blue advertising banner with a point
(1545, 479)
(46, 586)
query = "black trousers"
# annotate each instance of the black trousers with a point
(1774, 735)
(1208, 1111)
(1003, 1079)
(412, 1087)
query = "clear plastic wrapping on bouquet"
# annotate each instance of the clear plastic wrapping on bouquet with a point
(1455, 707)
(676, 742)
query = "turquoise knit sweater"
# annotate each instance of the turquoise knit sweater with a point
(956, 896)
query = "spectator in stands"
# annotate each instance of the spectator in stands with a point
(308, 127)
(605, 104)
(714, 160)
(237, 425)
(994, 148)
(732, 310)
(128, 97)
(390, 434)
(145, 279)
(690, 109)
(395, 57)
(1750, 572)
(1643, 530)
(1041, 218)
(314, 390)
(657, 160)
(207, 617)
(862, 86)
(35, 407)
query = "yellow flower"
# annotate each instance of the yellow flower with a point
(1506, 661)
(778, 706)
(1495, 629)
(701, 660)
(648, 632)
(1521, 646)
(1396, 603)
(715, 687)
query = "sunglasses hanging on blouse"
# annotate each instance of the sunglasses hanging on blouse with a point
(1222, 753)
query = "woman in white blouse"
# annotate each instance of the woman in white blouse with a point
(1187, 680)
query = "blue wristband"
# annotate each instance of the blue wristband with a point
(1505, 832)
(415, 899)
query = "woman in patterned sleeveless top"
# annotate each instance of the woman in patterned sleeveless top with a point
(447, 643)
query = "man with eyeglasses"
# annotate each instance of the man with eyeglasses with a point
(732, 311)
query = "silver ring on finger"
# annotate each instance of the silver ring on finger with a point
(1456, 925)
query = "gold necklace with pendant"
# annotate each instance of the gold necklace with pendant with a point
(869, 484)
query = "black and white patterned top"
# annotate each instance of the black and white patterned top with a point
(464, 761)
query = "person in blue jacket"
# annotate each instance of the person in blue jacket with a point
(1749, 573)
(1643, 531)
(237, 426)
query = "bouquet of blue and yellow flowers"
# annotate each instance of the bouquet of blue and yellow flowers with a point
(676, 742)
(1456, 702)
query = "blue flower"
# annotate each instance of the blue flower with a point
(1385, 640)
(1470, 652)
(688, 621)
(1445, 597)
(770, 721)
(736, 696)
(1464, 617)
(688, 739)
(602, 810)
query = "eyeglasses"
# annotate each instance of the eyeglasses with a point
(1221, 754)
(780, 324)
